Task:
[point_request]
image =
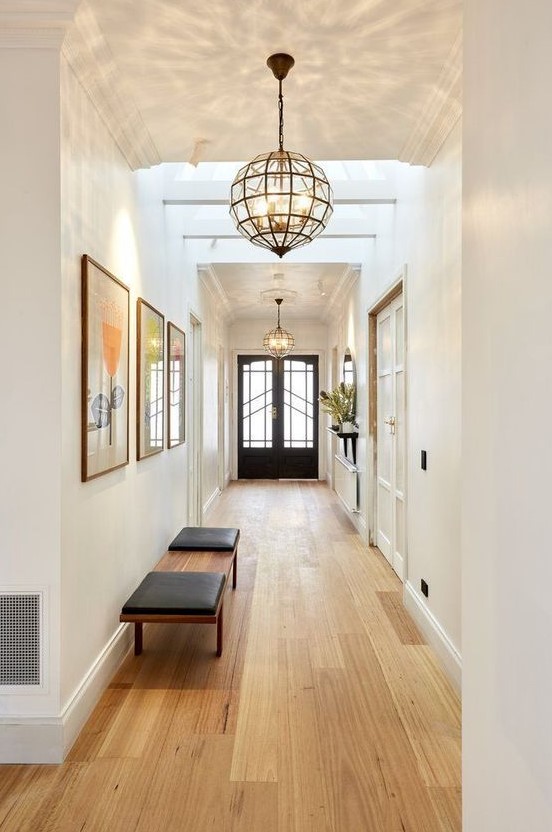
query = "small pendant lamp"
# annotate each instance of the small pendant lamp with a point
(278, 342)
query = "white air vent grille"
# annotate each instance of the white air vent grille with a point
(20, 636)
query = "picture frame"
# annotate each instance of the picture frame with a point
(150, 380)
(176, 386)
(105, 311)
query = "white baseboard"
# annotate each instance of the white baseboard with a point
(436, 636)
(31, 740)
(360, 523)
(211, 500)
(86, 696)
(45, 739)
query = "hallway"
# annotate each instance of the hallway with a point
(326, 711)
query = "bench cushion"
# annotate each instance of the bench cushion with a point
(177, 593)
(205, 539)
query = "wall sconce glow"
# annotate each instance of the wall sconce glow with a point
(124, 248)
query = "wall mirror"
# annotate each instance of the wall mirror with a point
(349, 369)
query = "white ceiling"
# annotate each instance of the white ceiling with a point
(194, 74)
(364, 71)
(243, 286)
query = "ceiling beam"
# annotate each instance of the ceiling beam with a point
(218, 193)
(223, 229)
(239, 237)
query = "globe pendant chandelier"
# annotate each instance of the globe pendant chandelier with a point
(280, 200)
(278, 342)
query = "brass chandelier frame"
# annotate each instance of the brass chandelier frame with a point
(280, 200)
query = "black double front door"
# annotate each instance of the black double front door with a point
(277, 417)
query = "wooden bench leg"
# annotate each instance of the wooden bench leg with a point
(235, 571)
(138, 638)
(219, 631)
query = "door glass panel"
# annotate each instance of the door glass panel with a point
(257, 404)
(298, 404)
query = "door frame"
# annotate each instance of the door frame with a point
(234, 408)
(398, 286)
(194, 395)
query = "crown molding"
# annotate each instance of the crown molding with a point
(35, 24)
(29, 37)
(442, 111)
(349, 277)
(209, 279)
(92, 61)
(37, 14)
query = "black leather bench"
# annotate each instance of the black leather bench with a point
(181, 597)
(209, 539)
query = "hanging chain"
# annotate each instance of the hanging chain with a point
(281, 114)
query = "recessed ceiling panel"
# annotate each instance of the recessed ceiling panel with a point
(197, 70)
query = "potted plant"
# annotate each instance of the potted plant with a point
(340, 404)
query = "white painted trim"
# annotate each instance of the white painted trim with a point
(92, 61)
(27, 37)
(47, 739)
(362, 528)
(85, 697)
(441, 112)
(209, 278)
(349, 277)
(450, 657)
(399, 281)
(195, 418)
(25, 740)
(214, 496)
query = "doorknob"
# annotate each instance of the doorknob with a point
(391, 423)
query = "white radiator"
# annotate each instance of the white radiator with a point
(346, 484)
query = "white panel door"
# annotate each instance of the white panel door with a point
(390, 467)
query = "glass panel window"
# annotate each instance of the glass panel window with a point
(257, 405)
(298, 404)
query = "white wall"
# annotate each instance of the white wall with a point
(507, 405)
(114, 528)
(86, 544)
(30, 337)
(214, 334)
(423, 232)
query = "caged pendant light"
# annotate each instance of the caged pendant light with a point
(278, 342)
(280, 200)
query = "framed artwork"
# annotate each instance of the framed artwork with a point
(150, 380)
(176, 400)
(105, 346)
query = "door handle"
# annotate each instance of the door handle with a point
(391, 423)
(274, 412)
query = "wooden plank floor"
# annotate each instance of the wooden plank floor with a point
(326, 713)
